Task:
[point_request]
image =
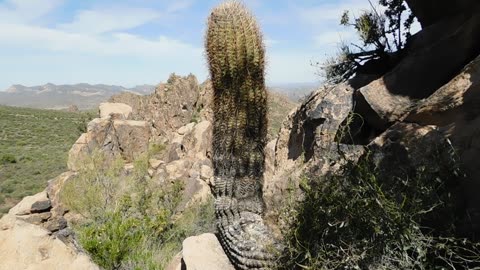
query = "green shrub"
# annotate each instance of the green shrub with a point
(40, 149)
(111, 239)
(156, 148)
(8, 158)
(131, 221)
(360, 219)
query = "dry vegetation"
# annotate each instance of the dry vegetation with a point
(33, 149)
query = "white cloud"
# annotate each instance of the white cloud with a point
(179, 5)
(331, 12)
(115, 44)
(25, 11)
(333, 38)
(271, 42)
(285, 66)
(108, 20)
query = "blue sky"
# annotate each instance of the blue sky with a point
(130, 42)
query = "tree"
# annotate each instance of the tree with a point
(382, 34)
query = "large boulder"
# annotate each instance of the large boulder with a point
(27, 246)
(430, 11)
(174, 104)
(455, 108)
(115, 110)
(311, 139)
(204, 252)
(426, 68)
(35, 234)
(126, 138)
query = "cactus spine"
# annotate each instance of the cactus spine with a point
(236, 60)
(236, 54)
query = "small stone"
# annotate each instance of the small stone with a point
(186, 129)
(129, 168)
(155, 163)
(24, 207)
(56, 224)
(206, 172)
(36, 219)
(205, 252)
(41, 206)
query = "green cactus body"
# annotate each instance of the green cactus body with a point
(236, 56)
(236, 60)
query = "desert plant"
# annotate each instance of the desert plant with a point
(130, 221)
(363, 219)
(383, 35)
(8, 158)
(236, 62)
(235, 55)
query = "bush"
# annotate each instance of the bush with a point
(8, 158)
(130, 220)
(360, 219)
(383, 34)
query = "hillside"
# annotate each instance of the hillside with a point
(279, 105)
(33, 149)
(34, 144)
(50, 96)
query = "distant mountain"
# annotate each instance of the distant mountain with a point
(295, 91)
(51, 96)
(86, 96)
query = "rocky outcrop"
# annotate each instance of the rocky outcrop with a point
(435, 56)
(444, 125)
(34, 234)
(115, 110)
(311, 138)
(173, 105)
(429, 12)
(127, 138)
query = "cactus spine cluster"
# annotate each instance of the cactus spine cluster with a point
(236, 59)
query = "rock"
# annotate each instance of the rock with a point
(133, 137)
(172, 106)
(423, 153)
(455, 101)
(115, 110)
(427, 67)
(198, 142)
(186, 129)
(56, 224)
(177, 169)
(126, 138)
(429, 12)
(175, 263)
(129, 167)
(27, 246)
(206, 172)
(204, 252)
(270, 158)
(306, 135)
(155, 163)
(24, 207)
(313, 126)
(407, 145)
(41, 206)
(454, 108)
(72, 108)
(36, 219)
(196, 191)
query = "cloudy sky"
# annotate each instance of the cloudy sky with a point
(130, 42)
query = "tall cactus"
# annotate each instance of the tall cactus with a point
(235, 55)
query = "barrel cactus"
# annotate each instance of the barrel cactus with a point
(236, 60)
